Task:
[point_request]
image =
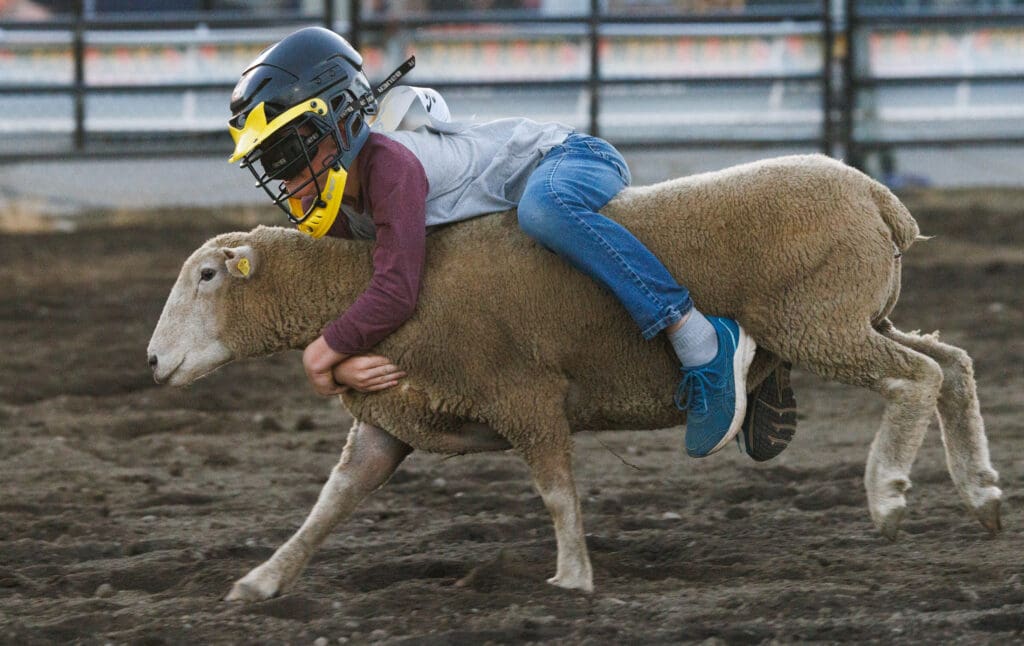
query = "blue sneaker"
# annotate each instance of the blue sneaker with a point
(714, 395)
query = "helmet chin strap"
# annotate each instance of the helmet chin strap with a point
(364, 101)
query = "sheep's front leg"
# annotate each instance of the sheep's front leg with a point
(552, 476)
(370, 457)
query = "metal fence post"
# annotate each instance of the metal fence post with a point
(78, 89)
(594, 82)
(827, 103)
(355, 22)
(849, 88)
(329, 14)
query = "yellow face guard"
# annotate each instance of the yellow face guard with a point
(317, 220)
(322, 210)
(256, 130)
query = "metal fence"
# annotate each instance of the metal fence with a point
(801, 76)
(930, 79)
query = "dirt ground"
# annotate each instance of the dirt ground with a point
(128, 509)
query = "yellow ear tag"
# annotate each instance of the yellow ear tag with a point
(243, 267)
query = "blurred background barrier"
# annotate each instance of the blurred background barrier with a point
(880, 84)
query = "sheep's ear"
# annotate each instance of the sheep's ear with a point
(240, 261)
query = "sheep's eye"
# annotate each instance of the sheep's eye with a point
(207, 274)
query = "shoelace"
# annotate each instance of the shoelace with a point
(695, 386)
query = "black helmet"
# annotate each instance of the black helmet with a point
(296, 94)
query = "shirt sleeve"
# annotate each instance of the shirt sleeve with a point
(394, 190)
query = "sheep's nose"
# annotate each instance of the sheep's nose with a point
(153, 360)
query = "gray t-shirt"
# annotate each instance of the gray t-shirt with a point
(474, 169)
(444, 172)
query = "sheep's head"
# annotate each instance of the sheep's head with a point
(192, 337)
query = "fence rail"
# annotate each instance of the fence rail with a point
(861, 83)
(832, 95)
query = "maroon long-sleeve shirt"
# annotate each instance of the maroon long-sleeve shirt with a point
(393, 193)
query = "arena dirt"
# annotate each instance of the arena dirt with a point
(128, 509)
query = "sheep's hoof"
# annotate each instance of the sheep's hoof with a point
(582, 584)
(889, 522)
(988, 514)
(254, 586)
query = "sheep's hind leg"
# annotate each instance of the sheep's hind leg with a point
(963, 431)
(910, 383)
(551, 467)
(368, 460)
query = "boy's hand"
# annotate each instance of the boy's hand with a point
(368, 373)
(319, 361)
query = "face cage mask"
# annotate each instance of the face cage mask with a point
(287, 155)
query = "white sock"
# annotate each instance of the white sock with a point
(696, 342)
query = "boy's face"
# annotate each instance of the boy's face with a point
(325, 152)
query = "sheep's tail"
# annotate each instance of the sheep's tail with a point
(896, 216)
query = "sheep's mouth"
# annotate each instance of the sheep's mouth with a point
(162, 377)
(183, 375)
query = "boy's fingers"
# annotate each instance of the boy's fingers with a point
(324, 384)
(323, 390)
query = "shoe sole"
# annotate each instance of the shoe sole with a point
(770, 424)
(745, 349)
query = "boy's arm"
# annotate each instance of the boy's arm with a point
(394, 188)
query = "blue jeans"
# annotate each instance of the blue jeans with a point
(559, 210)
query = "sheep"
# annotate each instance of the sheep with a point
(802, 250)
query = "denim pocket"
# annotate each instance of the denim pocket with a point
(605, 151)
